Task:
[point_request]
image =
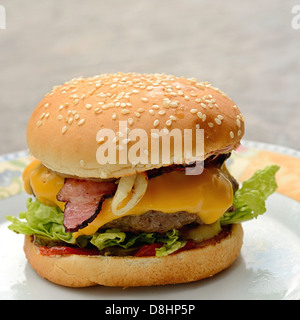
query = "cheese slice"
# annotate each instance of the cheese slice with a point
(208, 195)
(43, 183)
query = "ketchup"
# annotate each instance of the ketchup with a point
(61, 250)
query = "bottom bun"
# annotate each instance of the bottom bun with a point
(186, 266)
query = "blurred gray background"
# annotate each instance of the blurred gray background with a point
(249, 49)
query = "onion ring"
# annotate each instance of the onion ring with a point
(136, 185)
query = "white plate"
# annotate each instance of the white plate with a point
(267, 268)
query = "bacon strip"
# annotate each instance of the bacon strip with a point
(83, 201)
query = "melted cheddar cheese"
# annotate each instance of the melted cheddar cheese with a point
(208, 195)
(43, 184)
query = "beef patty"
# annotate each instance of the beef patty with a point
(153, 221)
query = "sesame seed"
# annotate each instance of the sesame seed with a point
(218, 121)
(231, 135)
(61, 107)
(151, 111)
(210, 124)
(168, 123)
(123, 105)
(173, 118)
(156, 123)
(124, 111)
(220, 117)
(200, 85)
(198, 100)
(203, 105)
(238, 123)
(144, 99)
(193, 111)
(70, 120)
(100, 140)
(187, 98)
(81, 122)
(137, 114)
(64, 129)
(125, 141)
(154, 135)
(46, 105)
(239, 133)
(161, 112)
(199, 114)
(120, 134)
(39, 123)
(155, 106)
(130, 121)
(76, 116)
(60, 117)
(174, 104)
(204, 117)
(166, 103)
(141, 110)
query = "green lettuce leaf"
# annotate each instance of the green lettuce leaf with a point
(42, 220)
(249, 201)
(115, 237)
(171, 243)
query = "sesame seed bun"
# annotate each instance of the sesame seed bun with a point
(62, 131)
(186, 266)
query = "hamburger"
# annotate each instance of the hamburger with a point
(108, 208)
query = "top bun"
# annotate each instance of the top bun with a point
(62, 130)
